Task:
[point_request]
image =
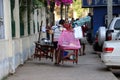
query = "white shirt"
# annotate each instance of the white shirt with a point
(57, 32)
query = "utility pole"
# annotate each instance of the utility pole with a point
(109, 11)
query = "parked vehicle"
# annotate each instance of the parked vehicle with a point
(96, 46)
(111, 53)
(109, 33)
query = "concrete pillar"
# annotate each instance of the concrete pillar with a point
(109, 11)
(8, 33)
(17, 19)
(35, 20)
(31, 23)
(25, 19)
(39, 18)
(43, 18)
(7, 19)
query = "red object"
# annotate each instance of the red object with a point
(67, 41)
(67, 58)
(108, 49)
(109, 36)
(84, 29)
(67, 26)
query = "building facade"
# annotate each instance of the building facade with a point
(99, 12)
(19, 29)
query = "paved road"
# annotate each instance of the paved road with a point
(89, 67)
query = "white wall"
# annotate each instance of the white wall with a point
(4, 63)
(23, 48)
(14, 52)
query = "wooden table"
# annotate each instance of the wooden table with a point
(44, 50)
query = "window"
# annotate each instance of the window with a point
(117, 25)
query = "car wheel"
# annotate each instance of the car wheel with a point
(101, 35)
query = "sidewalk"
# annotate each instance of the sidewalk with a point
(89, 67)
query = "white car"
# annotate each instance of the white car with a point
(111, 53)
(109, 33)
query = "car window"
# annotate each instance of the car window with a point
(117, 25)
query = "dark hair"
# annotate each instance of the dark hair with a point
(61, 21)
(89, 14)
(77, 19)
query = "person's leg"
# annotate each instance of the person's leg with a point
(55, 46)
(56, 56)
(83, 49)
(48, 35)
(80, 50)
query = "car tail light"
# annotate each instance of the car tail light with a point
(109, 37)
(108, 49)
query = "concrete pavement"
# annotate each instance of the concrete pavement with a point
(89, 67)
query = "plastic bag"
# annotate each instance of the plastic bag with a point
(83, 20)
(78, 34)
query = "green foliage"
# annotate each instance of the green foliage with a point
(12, 4)
(28, 29)
(38, 26)
(12, 18)
(29, 10)
(77, 6)
(38, 3)
(13, 28)
(22, 4)
(33, 26)
(22, 8)
(21, 29)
